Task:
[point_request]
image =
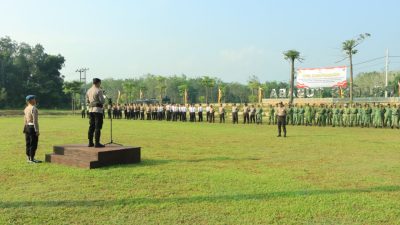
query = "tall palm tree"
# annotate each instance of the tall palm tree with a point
(292, 56)
(348, 47)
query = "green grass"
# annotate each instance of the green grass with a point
(205, 174)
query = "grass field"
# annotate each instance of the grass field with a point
(205, 174)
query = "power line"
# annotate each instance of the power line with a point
(367, 61)
(368, 66)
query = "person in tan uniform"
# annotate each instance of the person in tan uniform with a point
(221, 111)
(281, 116)
(31, 128)
(235, 111)
(95, 100)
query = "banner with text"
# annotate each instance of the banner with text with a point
(322, 77)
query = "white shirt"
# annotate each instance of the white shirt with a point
(208, 109)
(200, 109)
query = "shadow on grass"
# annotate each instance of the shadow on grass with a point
(155, 162)
(194, 199)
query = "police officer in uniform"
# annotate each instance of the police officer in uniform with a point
(200, 112)
(221, 112)
(95, 100)
(31, 128)
(235, 110)
(281, 116)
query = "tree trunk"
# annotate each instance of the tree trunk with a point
(206, 95)
(291, 82)
(351, 76)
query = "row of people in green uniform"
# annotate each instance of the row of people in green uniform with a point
(346, 115)
(340, 115)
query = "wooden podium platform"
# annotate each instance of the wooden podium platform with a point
(79, 155)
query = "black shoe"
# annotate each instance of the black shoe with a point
(36, 161)
(91, 144)
(284, 135)
(98, 145)
(278, 136)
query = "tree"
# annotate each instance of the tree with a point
(253, 83)
(26, 69)
(348, 47)
(292, 56)
(72, 88)
(161, 86)
(207, 82)
(129, 88)
(181, 89)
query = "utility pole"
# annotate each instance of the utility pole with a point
(386, 72)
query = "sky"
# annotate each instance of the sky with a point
(228, 39)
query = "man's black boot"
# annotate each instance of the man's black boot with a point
(98, 145)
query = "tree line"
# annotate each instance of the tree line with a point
(26, 69)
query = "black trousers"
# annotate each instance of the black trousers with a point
(208, 116)
(200, 116)
(222, 118)
(31, 140)
(281, 124)
(95, 126)
(83, 113)
(252, 118)
(211, 118)
(246, 118)
(192, 117)
(235, 117)
(168, 115)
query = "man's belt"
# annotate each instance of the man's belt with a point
(96, 104)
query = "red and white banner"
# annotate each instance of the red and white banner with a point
(322, 77)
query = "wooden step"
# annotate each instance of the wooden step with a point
(70, 161)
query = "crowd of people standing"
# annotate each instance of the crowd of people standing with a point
(335, 115)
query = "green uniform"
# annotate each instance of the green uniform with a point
(329, 116)
(295, 115)
(290, 115)
(271, 114)
(396, 112)
(307, 114)
(301, 116)
(335, 117)
(341, 113)
(259, 115)
(359, 116)
(377, 116)
(313, 112)
(388, 117)
(353, 116)
(346, 117)
(394, 117)
(367, 117)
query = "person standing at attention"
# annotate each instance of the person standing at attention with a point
(31, 128)
(281, 116)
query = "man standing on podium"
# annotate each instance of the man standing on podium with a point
(95, 100)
